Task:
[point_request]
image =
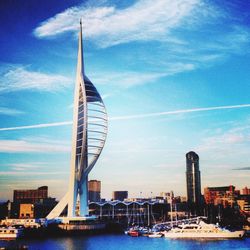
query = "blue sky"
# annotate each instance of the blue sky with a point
(174, 76)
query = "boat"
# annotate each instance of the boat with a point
(144, 231)
(134, 233)
(9, 233)
(247, 230)
(155, 235)
(202, 230)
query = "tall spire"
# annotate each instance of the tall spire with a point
(80, 62)
(89, 133)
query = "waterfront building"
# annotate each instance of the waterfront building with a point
(5, 209)
(88, 138)
(31, 203)
(139, 199)
(120, 195)
(26, 211)
(30, 195)
(167, 196)
(94, 191)
(244, 205)
(183, 199)
(225, 195)
(193, 179)
(246, 191)
(158, 199)
(42, 209)
(177, 215)
(130, 212)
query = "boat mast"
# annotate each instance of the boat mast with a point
(171, 210)
(148, 216)
(175, 213)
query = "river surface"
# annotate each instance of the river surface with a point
(121, 242)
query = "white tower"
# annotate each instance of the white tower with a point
(88, 138)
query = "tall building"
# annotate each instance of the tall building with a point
(30, 195)
(88, 138)
(94, 191)
(120, 195)
(193, 178)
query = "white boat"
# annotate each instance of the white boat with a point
(202, 230)
(10, 232)
(155, 235)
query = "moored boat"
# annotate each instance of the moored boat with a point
(9, 233)
(155, 235)
(144, 231)
(137, 231)
(202, 230)
(247, 230)
(133, 233)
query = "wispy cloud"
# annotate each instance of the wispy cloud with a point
(186, 31)
(9, 111)
(27, 166)
(137, 116)
(223, 145)
(132, 78)
(150, 20)
(31, 173)
(19, 77)
(228, 145)
(126, 79)
(23, 166)
(34, 145)
(227, 139)
(145, 20)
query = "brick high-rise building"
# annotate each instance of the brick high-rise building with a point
(30, 195)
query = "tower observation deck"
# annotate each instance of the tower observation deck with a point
(88, 139)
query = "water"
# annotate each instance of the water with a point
(122, 242)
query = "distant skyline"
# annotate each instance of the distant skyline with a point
(174, 76)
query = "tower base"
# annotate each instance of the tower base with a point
(83, 223)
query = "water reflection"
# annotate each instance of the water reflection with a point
(122, 242)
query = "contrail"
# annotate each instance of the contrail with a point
(182, 111)
(129, 117)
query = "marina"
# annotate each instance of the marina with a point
(195, 228)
